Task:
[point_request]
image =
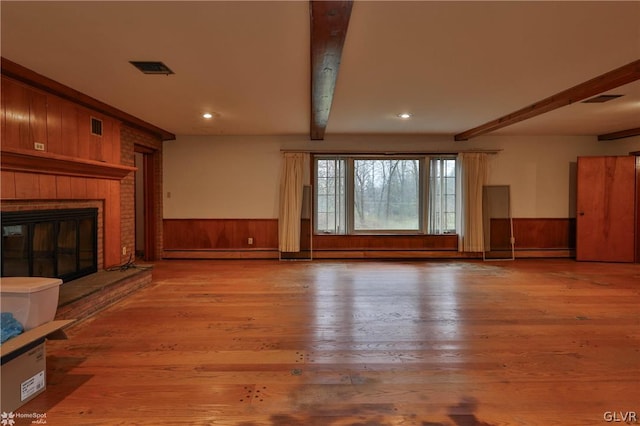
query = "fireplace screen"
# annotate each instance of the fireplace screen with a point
(50, 243)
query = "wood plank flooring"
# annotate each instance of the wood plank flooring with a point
(427, 343)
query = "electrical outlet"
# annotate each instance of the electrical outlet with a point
(250, 240)
(38, 146)
(124, 250)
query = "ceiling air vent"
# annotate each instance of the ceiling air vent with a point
(601, 99)
(151, 67)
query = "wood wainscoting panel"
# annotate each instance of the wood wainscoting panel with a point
(386, 242)
(8, 182)
(63, 185)
(537, 236)
(220, 234)
(386, 247)
(27, 186)
(47, 185)
(228, 238)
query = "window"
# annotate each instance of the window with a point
(330, 189)
(385, 194)
(442, 196)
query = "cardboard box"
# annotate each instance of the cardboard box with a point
(23, 364)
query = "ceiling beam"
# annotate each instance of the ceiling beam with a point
(610, 80)
(329, 22)
(620, 135)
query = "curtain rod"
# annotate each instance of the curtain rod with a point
(355, 152)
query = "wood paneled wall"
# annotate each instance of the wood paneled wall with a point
(386, 242)
(72, 165)
(202, 238)
(31, 116)
(220, 234)
(535, 234)
(50, 153)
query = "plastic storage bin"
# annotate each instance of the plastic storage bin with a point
(33, 301)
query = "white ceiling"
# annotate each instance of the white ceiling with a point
(454, 65)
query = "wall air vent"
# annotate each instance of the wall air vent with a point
(96, 126)
(152, 67)
(601, 99)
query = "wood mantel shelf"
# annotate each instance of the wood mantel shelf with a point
(35, 162)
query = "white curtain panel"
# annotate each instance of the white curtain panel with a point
(291, 190)
(474, 167)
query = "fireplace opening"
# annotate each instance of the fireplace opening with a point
(50, 243)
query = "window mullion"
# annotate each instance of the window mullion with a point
(424, 194)
(349, 188)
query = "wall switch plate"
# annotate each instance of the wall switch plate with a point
(38, 146)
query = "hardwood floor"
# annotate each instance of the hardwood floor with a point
(428, 343)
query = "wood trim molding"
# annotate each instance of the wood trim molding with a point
(610, 80)
(47, 163)
(329, 23)
(220, 254)
(149, 200)
(637, 230)
(25, 75)
(393, 254)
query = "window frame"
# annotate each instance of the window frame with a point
(314, 160)
(424, 164)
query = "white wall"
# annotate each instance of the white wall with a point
(230, 177)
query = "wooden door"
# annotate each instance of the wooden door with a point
(606, 209)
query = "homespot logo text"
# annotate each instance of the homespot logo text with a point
(9, 419)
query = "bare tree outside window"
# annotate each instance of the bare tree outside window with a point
(387, 194)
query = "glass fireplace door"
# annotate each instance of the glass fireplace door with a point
(49, 243)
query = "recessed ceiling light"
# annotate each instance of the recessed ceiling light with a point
(207, 115)
(405, 115)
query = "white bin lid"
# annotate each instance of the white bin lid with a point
(27, 284)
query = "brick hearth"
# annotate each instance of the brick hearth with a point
(82, 298)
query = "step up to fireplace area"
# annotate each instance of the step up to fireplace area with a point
(84, 297)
